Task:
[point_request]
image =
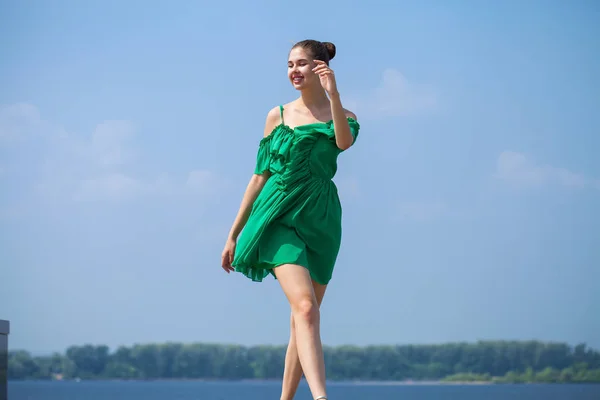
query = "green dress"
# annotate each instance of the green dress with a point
(297, 217)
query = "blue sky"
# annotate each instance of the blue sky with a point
(128, 131)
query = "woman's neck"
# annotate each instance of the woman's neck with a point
(314, 100)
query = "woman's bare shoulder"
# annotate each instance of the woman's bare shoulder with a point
(273, 119)
(350, 114)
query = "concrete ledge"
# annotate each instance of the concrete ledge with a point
(4, 327)
(4, 331)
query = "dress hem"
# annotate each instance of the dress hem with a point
(258, 274)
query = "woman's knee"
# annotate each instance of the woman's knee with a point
(305, 310)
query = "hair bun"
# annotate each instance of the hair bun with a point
(330, 49)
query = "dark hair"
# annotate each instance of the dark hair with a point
(324, 51)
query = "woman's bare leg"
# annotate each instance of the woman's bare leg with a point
(297, 286)
(292, 373)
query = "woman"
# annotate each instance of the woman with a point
(291, 213)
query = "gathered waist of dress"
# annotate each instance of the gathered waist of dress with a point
(312, 182)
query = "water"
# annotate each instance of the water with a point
(194, 390)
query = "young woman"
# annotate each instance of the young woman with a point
(290, 213)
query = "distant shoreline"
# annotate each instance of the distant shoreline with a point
(480, 363)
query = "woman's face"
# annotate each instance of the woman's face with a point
(300, 65)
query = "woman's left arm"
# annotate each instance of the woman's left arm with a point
(343, 135)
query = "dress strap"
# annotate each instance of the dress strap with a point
(281, 114)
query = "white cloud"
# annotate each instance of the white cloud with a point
(518, 169)
(15, 117)
(21, 121)
(95, 167)
(396, 96)
(421, 211)
(117, 187)
(86, 168)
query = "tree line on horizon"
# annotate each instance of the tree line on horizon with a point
(491, 361)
